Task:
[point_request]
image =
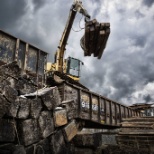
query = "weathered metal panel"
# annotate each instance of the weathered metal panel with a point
(95, 108)
(21, 54)
(70, 93)
(118, 113)
(85, 105)
(32, 60)
(126, 112)
(115, 105)
(107, 112)
(7, 48)
(67, 93)
(41, 62)
(122, 112)
(113, 113)
(102, 111)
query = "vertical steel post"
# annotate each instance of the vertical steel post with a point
(120, 112)
(90, 106)
(26, 56)
(115, 113)
(17, 50)
(110, 104)
(79, 102)
(99, 113)
(105, 111)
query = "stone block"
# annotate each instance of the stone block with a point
(35, 107)
(7, 130)
(60, 117)
(70, 130)
(24, 107)
(46, 123)
(29, 132)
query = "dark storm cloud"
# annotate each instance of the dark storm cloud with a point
(129, 73)
(147, 98)
(147, 70)
(123, 78)
(38, 4)
(148, 3)
(138, 14)
(139, 40)
(11, 12)
(120, 10)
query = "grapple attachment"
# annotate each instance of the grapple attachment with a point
(95, 38)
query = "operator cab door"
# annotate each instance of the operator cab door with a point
(74, 67)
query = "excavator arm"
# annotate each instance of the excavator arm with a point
(59, 56)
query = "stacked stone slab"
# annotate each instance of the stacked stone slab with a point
(137, 134)
(32, 120)
(87, 143)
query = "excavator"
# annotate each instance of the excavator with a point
(67, 69)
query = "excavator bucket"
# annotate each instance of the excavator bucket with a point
(95, 38)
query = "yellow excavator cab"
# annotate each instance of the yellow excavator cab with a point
(71, 67)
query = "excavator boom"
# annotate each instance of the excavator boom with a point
(59, 57)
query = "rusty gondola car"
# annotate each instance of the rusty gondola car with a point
(30, 59)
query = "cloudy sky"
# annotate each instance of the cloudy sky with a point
(126, 71)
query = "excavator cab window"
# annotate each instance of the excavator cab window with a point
(73, 67)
